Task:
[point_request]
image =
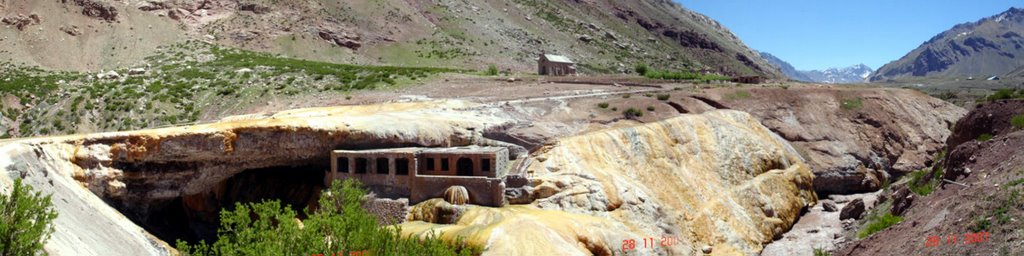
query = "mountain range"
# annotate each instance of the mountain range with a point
(602, 36)
(990, 46)
(852, 74)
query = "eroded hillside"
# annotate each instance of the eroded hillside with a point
(603, 36)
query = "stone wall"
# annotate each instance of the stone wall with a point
(482, 191)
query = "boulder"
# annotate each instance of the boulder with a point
(829, 206)
(853, 210)
(108, 75)
(343, 39)
(901, 201)
(254, 8)
(137, 71)
(71, 30)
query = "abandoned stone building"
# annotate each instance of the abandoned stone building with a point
(555, 65)
(424, 173)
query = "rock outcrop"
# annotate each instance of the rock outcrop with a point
(340, 38)
(85, 224)
(853, 139)
(97, 9)
(21, 21)
(143, 173)
(719, 180)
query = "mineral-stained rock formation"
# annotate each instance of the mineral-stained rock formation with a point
(149, 175)
(719, 179)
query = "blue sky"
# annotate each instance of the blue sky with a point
(825, 33)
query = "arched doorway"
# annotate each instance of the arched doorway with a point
(464, 167)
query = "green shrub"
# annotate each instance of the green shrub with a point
(821, 252)
(650, 108)
(1014, 183)
(602, 105)
(984, 137)
(268, 228)
(26, 221)
(492, 70)
(876, 224)
(1001, 94)
(980, 224)
(1018, 121)
(615, 109)
(663, 96)
(640, 69)
(633, 113)
(924, 188)
(852, 103)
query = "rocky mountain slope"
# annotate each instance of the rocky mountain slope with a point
(990, 46)
(978, 208)
(603, 36)
(786, 68)
(852, 74)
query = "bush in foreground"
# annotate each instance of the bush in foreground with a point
(340, 226)
(878, 223)
(492, 70)
(25, 221)
(633, 113)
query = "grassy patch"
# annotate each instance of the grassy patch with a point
(738, 95)
(1018, 121)
(878, 223)
(821, 252)
(1003, 94)
(663, 96)
(924, 188)
(602, 105)
(980, 224)
(1015, 183)
(178, 88)
(984, 137)
(852, 103)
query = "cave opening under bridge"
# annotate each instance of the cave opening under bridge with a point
(193, 218)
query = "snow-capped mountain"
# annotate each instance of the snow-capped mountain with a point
(852, 74)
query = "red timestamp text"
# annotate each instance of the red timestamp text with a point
(649, 242)
(969, 238)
